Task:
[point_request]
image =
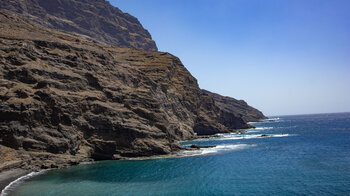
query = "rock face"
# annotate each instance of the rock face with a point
(95, 18)
(238, 107)
(66, 98)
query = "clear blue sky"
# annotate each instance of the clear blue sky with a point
(281, 56)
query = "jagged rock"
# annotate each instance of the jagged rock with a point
(95, 18)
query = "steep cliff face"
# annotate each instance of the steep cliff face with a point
(95, 18)
(238, 107)
(66, 98)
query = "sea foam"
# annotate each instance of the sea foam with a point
(264, 128)
(249, 136)
(217, 149)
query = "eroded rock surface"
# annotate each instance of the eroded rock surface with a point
(95, 18)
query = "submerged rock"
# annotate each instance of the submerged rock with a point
(194, 146)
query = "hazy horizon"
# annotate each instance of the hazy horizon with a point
(281, 57)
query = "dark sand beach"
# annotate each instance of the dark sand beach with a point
(7, 177)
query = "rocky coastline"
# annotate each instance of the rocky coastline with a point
(67, 99)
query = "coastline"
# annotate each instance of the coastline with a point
(9, 176)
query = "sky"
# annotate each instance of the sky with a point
(283, 57)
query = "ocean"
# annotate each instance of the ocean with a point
(302, 155)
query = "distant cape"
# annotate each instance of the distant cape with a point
(238, 107)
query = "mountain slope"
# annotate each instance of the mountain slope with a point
(95, 18)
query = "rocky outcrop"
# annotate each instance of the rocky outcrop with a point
(66, 98)
(95, 18)
(238, 107)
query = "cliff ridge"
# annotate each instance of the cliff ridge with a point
(95, 18)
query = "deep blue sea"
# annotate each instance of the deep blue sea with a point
(305, 155)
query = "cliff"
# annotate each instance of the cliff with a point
(65, 98)
(237, 107)
(95, 18)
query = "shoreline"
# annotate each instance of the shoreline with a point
(13, 175)
(9, 176)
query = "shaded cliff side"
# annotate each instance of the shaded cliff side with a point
(238, 107)
(95, 18)
(66, 98)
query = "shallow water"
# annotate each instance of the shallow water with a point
(305, 155)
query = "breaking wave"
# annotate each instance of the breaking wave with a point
(249, 136)
(217, 149)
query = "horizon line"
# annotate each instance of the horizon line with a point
(308, 114)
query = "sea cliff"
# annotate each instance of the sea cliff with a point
(68, 98)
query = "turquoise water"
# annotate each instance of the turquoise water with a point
(307, 155)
